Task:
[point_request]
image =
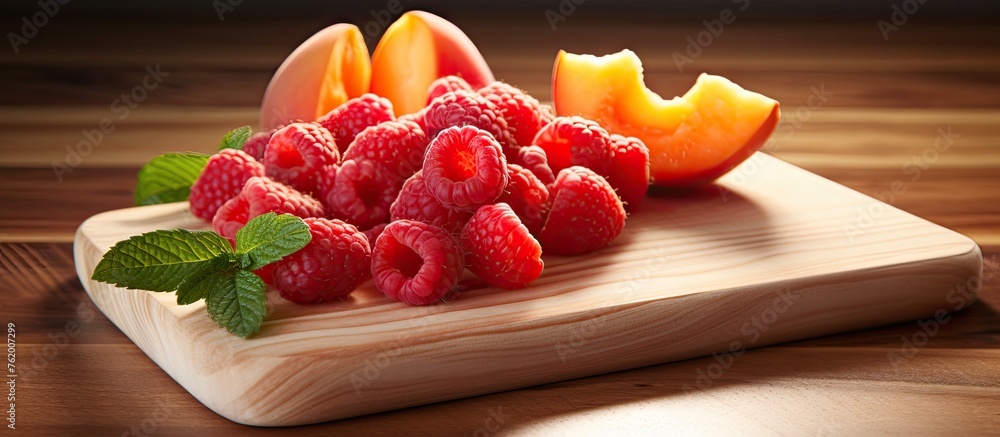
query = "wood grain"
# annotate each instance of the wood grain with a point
(890, 97)
(716, 271)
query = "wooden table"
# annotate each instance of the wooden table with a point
(885, 104)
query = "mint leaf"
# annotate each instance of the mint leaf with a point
(237, 302)
(235, 138)
(270, 237)
(197, 285)
(168, 178)
(160, 260)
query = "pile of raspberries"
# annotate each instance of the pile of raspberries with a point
(485, 180)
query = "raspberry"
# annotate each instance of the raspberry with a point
(296, 153)
(464, 108)
(221, 180)
(334, 263)
(396, 147)
(585, 215)
(415, 262)
(533, 158)
(465, 168)
(416, 203)
(569, 141)
(446, 84)
(261, 195)
(499, 249)
(520, 110)
(361, 194)
(257, 144)
(373, 232)
(527, 197)
(629, 170)
(348, 120)
(547, 114)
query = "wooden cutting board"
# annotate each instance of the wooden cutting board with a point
(770, 254)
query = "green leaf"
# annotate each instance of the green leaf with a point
(160, 260)
(270, 237)
(168, 178)
(197, 285)
(238, 302)
(235, 138)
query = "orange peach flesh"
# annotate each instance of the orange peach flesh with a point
(326, 70)
(692, 139)
(404, 64)
(348, 73)
(417, 49)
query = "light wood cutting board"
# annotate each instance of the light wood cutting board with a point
(770, 254)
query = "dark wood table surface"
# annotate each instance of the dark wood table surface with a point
(887, 101)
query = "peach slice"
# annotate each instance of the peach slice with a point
(417, 49)
(328, 69)
(692, 139)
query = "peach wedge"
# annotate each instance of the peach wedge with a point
(692, 139)
(417, 49)
(328, 69)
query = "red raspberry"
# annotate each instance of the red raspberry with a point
(527, 197)
(464, 108)
(396, 147)
(334, 263)
(446, 84)
(569, 141)
(547, 113)
(261, 195)
(499, 249)
(373, 232)
(348, 120)
(533, 158)
(415, 202)
(257, 144)
(464, 168)
(415, 262)
(585, 215)
(265, 274)
(521, 111)
(296, 153)
(629, 170)
(361, 194)
(221, 180)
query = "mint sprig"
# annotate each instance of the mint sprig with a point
(168, 178)
(235, 138)
(203, 265)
